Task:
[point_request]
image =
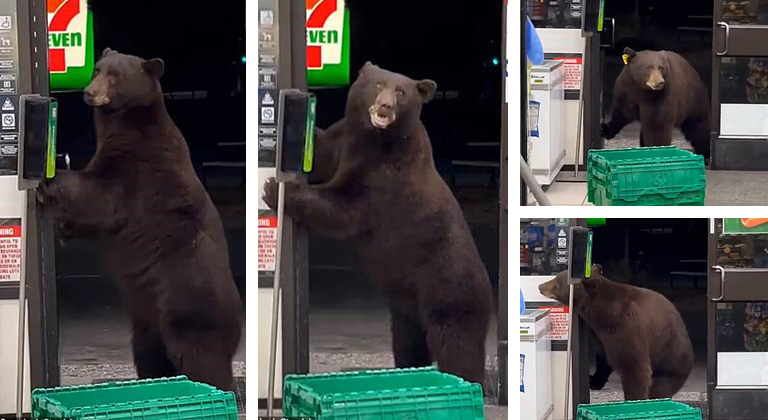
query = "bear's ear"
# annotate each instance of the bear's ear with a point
(630, 53)
(106, 51)
(368, 65)
(154, 67)
(597, 268)
(426, 89)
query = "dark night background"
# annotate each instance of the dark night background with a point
(202, 48)
(453, 44)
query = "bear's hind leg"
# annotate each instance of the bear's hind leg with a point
(635, 380)
(696, 130)
(150, 354)
(458, 346)
(202, 357)
(666, 385)
(409, 342)
(603, 371)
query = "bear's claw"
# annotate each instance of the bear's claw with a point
(606, 132)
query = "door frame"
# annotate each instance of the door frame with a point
(732, 41)
(725, 286)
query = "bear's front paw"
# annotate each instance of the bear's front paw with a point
(46, 192)
(606, 132)
(270, 193)
(595, 384)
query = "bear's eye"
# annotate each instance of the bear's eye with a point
(399, 92)
(649, 68)
(379, 85)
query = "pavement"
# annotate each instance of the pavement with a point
(724, 188)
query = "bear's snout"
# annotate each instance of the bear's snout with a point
(95, 99)
(546, 289)
(96, 93)
(382, 112)
(656, 81)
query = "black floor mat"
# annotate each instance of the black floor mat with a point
(239, 390)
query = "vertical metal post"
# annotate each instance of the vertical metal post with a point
(275, 300)
(22, 312)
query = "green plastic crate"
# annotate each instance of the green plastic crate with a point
(645, 176)
(149, 399)
(635, 410)
(413, 394)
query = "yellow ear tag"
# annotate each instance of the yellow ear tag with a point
(625, 57)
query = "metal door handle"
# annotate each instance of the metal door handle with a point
(721, 270)
(727, 36)
(613, 32)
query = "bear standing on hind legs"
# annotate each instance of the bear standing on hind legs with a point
(164, 238)
(386, 196)
(663, 91)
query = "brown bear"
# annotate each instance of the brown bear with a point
(663, 91)
(642, 334)
(385, 195)
(165, 242)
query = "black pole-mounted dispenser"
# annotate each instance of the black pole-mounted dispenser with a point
(296, 132)
(37, 139)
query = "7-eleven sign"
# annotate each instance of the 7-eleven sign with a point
(327, 43)
(70, 43)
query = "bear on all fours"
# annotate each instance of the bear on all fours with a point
(663, 91)
(164, 240)
(376, 185)
(640, 333)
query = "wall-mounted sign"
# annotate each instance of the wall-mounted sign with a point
(70, 43)
(327, 43)
(745, 226)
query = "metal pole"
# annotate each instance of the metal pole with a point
(581, 108)
(533, 185)
(276, 299)
(22, 309)
(568, 355)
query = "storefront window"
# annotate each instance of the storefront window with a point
(554, 13)
(539, 250)
(742, 251)
(745, 12)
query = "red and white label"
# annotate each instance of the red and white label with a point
(572, 69)
(325, 31)
(267, 243)
(10, 253)
(558, 315)
(67, 29)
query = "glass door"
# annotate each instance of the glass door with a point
(740, 85)
(737, 338)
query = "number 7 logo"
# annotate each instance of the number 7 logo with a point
(319, 11)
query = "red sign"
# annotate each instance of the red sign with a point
(572, 69)
(319, 11)
(10, 252)
(558, 315)
(267, 243)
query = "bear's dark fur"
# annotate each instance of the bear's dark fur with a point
(384, 194)
(663, 91)
(642, 334)
(165, 241)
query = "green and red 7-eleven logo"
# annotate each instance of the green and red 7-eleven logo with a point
(327, 43)
(70, 43)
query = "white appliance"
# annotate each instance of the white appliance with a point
(535, 365)
(546, 126)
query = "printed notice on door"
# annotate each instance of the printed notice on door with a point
(267, 242)
(572, 69)
(558, 315)
(10, 250)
